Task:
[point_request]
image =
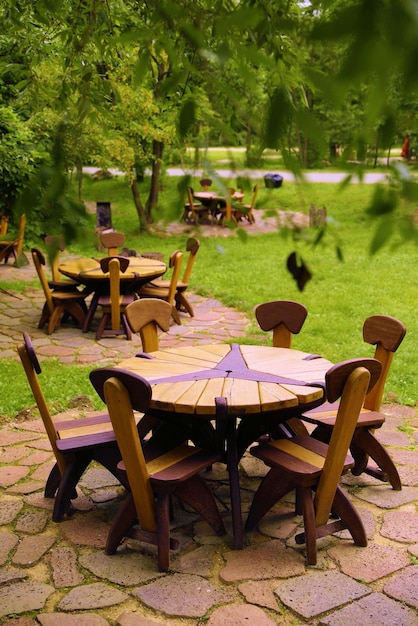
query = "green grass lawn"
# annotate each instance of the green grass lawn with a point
(244, 271)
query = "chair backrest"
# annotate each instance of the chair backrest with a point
(20, 235)
(349, 381)
(254, 197)
(284, 317)
(4, 224)
(192, 246)
(205, 183)
(176, 259)
(112, 240)
(32, 368)
(190, 198)
(145, 316)
(39, 262)
(386, 333)
(114, 265)
(123, 393)
(54, 244)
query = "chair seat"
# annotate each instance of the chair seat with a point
(175, 466)
(64, 285)
(302, 457)
(325, 415)
(165, 284)
(124, 300)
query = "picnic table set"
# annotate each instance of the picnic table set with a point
(171, 414)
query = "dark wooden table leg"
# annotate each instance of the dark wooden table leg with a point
(229, 422)
(90, 312)
(232, 463)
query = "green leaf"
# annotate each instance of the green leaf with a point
(187, 117)
(382, 234)
(279, 117)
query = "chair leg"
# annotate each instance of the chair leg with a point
(44, 316)
(197, 494)
(68, 484)
(272, 488)
(55, 319)
(175, 315)
(365, 441)
(349, 515)
(52, 482)
(163, 526)
(305, 497)
(123, 521)
(182, 303)
(76, 311)
(102, 325)
(126, 327)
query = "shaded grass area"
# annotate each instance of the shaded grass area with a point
(243, 271)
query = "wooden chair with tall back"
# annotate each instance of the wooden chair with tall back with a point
(193, 210)
(56, 244)
(57, 303)
(167, 293)
(205, 183)
(114, 304)
(4, 223)
(182, 303)
(284, 318)
(145, 317)
(14, 247)
(247, 212)
(386, 333)
(314, 468)
(112, 240)
(151, 475)
(75, 442)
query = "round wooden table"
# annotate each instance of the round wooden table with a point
(245, 389)
(87, 271)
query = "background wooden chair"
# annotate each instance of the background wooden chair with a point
(114, 304)
(205, 183)
(57, 303)
(386, 333)
(56, 244)
(4, 222)
(284, 317)
(166, 293)
(150, 474)
(225, 210)
(145, 317)
(247, 212)
(112, 240)
(14, 247)
(75, 443)
(314, 468)
(182, 304)
(193, 210)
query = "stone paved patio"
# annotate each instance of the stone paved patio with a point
(58, 575)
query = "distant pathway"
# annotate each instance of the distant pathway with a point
(313, 177)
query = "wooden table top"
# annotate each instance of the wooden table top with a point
(88, 269)
(254, 379)
(211, 195)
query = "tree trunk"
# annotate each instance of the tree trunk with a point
(152, 202)
(79, 169)
(143, 223)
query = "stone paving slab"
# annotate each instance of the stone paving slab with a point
(373, 610)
